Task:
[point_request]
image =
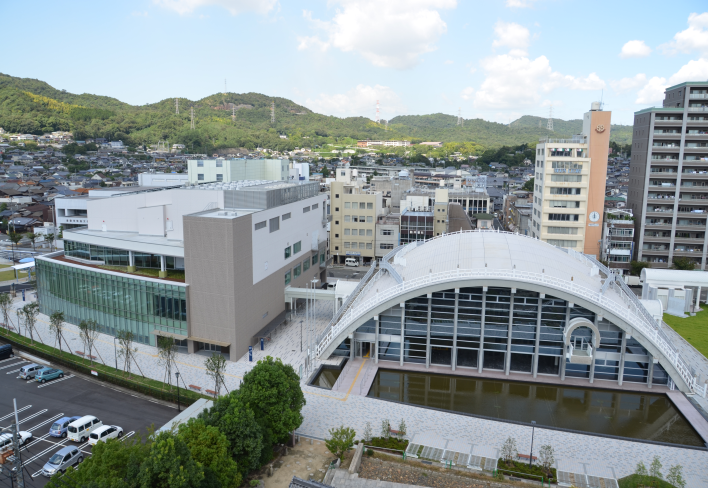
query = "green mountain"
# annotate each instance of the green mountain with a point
(242, 120)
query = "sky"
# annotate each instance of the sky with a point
(494, 59)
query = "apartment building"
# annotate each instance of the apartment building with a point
(569, 186)
(617, 238)
(668, 187)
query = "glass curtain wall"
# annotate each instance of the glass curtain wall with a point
(115, 302)
(114, 257)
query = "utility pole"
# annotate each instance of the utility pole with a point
(272, 113)
(176, 106)
(17, 461)
(233, 112)
(192, 118)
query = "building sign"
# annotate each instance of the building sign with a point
(351, 253)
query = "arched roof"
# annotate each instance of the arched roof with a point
(491, 258)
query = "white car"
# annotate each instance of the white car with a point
(104, 433)
(6, 440)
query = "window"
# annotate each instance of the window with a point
(219, 164)
(274, 224)
(200, 177)
(347, 205)
(362, 206)
(566, 178)
(219, 177)
(286, 216)
(565, 191)
(306, 265)
(346, 245)
(562, 230)
(288, 252)
(348, 218)
(369, 232)
(361, 245)
(336, 209)
(316, 205)
(369, 220)
(566, 166)
(385, 245)
(336, 195)
(343, 173)
(386, 232)
(336, 236)
(564, 217)
(336, 222)
(297, 247)
(260, 225)
(306, 209)
(370, 206)
(297, 271)
(314, 260)
(336, 248)
(200, 164)
(346, 232)
(563, 204)
(287, 278)
(369, 245)
(362, 218)
(562, 243)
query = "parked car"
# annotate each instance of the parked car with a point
(6, 351)
(47, 374)
(29, 371)
(104, 433)
(59, 428)
(61, 460)
(79, 430)
(6, 440)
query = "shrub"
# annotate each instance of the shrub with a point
(369, 452)
(390, 443)
(340, 440)
(523, 470)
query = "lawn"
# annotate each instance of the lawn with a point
(634, 481)
(7, 273)
(693, 329)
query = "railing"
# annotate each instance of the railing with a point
(698, 109)
(693, 96)
(634, 313)
(385, 264)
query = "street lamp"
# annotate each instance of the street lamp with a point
(115, 352)
(301, 336)
(178, 407)
(533, 427)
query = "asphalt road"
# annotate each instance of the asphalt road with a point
(39, 405)
(346, 272)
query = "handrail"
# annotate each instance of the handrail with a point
(632, 313)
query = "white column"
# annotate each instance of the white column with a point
(376, 339)
(403, 329)
(427, 340)
(480, 355)
(131, 261)
(507, 361)
(622, 354)
(163, 267)
(651, 370)
(454, 329)
(541, 296)
(567, 321)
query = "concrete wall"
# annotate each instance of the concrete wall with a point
(596, 126)
(639, 175)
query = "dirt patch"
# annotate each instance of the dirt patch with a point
(305, 461)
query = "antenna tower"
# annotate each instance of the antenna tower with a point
(233, 112)
(459, 116)
(192, 118)
(272, 112)
(386, 128)
(378, 115)
(224, 86)
(177, 106)
(550, 119)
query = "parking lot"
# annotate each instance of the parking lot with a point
(39, 405)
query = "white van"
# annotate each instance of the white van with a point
(79, 430)
(351, 262)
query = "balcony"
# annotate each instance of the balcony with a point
(698, 109)
(698, 96)
(655, 159)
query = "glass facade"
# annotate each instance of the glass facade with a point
(114, 302)
(499, 328)
(114, 257)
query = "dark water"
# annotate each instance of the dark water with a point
(326, 378)
(634, 415)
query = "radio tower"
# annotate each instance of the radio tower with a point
(386, 125)
(177, 106)
(550, 119)
(378, 115)
(272, 112)
(224, 86)
(459, 116)
(192, 118)
(233, 112)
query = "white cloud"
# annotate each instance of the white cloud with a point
(449, 61)
(695, 38)
(519, 3)
(359, 101)
(391, 34)
(184, 7)
(635, 49)
(628, 84)
(514, 36)
(467, 93)
(653, 91)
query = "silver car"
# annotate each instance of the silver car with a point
(28, 372)
(61, 460)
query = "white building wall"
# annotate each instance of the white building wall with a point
(238, 169)
(162, 179)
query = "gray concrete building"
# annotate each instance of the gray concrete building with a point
(668, 186)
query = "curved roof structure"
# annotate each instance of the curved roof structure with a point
(674, 277)
(492, 258)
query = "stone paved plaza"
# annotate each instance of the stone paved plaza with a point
(578, 453)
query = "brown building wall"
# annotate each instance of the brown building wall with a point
(598, 144)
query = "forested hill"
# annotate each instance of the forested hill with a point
(33, 106)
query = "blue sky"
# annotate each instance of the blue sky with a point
(494, 59)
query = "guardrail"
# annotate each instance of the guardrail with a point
(633, 314)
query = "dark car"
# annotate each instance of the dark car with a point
(6, 351)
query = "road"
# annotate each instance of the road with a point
(41, 405)
(346, 272)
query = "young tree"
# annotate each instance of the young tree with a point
(655, 468)
(385, 429)
(15, 238)
(215, 366)
(641, 471)
(50, 238)
(32, 237)
(340, 440)
(166, 352)
(402, 429)
(675, 476)
(88, 331)
(367, 432)
(126, 351)
(56, 324)
(509, 451)
(547, 457)
(29, 314)
(272, 390)
(5, 306)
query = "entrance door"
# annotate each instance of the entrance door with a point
(365, 349)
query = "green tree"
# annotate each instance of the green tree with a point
(32, 237)
(272, 390)
(683, 263)
(56, 325)
(29, 312)
(655, 468)
(528, 186)
(641, 472)
(88, 331)
(15, 238)
(509, 452)
(340, 440)
(636, 267)
(50, 238)
(170, 464)
(325, 172)
(238, 423)
(546, 456)
(211, 448)
(675, 476)
(5, 306)
(215, 366)
(3, 207)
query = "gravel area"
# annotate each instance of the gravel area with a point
(377, 469)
